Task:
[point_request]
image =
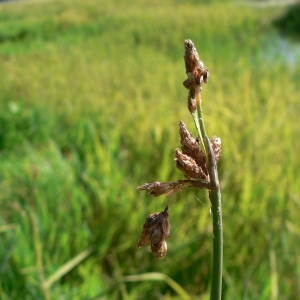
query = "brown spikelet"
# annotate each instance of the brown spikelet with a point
(169, 188)
(156, 231)
(192, 106)
(188, 166)
(156, 188)
(195, 69)
(190, 146)
(216, 145)
(191, 57)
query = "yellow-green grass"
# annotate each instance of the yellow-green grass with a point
(91, 97)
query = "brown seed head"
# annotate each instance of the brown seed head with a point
(206, 75)
(191, 57)
(192, 105)
(169, 188)
(216, 145)
(195, 69)
(156, 230)
(156, 188)
(188, 166)
(190, 146)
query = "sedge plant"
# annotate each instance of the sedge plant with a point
(197, 158)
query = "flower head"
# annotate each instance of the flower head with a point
(156, 230)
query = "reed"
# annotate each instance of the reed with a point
(197, 159)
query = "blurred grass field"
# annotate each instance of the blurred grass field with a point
(91, 97)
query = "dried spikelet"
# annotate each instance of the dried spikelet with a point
(169, 188)
(164, 188)
(156, 188)
(188, 166)
(156, 231)
(191, 57)
(216, 145)
(206, 76)
(190, 146)
(195, 69)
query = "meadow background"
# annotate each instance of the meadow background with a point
(91, 96)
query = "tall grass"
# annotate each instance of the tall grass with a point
(85, 89)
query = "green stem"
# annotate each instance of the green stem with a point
(197, 124)
(216, 284)
(201, 120)
(215, 199)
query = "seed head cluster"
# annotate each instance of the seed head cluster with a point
(156, 230)
(191, 158)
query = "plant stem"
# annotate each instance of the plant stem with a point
(197, 74)
(196, 121)
(201, 119)
(216, 284)
(215, 199)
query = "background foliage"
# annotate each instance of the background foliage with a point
(90, 100)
